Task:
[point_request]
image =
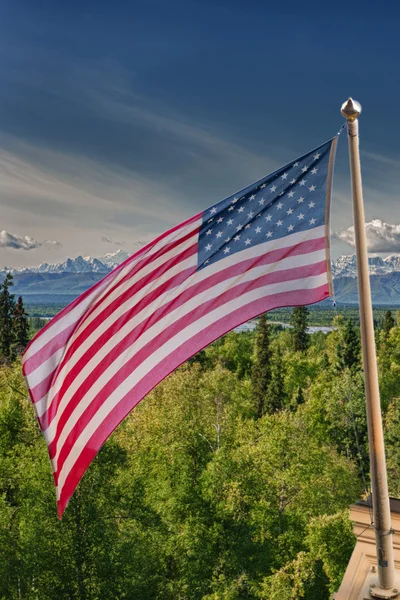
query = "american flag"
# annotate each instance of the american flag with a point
(262, 248)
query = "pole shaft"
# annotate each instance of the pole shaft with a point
(380, 494)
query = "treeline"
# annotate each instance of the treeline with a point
(230, 481)
(14, 325)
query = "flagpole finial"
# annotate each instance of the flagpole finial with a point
(351, 109)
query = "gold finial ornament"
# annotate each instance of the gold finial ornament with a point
(351, 109)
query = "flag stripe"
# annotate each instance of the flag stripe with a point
(107, 420)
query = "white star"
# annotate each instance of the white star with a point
(210, 220)
(209, 232)
(293, 181)
(261, 202)
(250, 214)
(235, 200)
(263, 186)
(228, 240)
(290, 194)
(289, 212)
(316, 156)
(220, 220)
(231, 208)
(206, 262)
(312, 221)
(303, 182)
(300, 200)
(247, 242)
(258, 229)
(312, 188)
(284, 176)
(279, 205)
(208, 247)
(252, 197)
(282, 192)
(279, 223)
(314, 170)
(304, 169)
(241, 209)
(213, 210)
(239, 227)
(236, 238)
(268, 217)
(229, 222)
(247, 226)
(300, 216)
(219, 234)
(290, 228)
(296, 164)
(273, 188)
(269, 234)
(311, 204)
(227, 249)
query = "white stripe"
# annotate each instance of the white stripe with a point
(47, 367)
(169, 347)
(149, 334)
(74, 315)
(44, 369)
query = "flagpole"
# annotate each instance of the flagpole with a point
(385, 587)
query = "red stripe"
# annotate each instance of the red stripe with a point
(110, 275)
(166, 366)
(149, 348)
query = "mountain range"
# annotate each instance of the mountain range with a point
(60, 283)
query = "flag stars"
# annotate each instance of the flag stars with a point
(247, 226)
(303, 182)
(304, 169)
(210, 220)
(213, 211)
(269, 234)
(268, 217)
(235, 200)
(313, 171)
(208, 247)
(284, 176)
(316, 156)
(239, 227)
(261, 202)
(220, 220)
(290, 194)
(290, 228)
(209, 232)
(258, 229)
(248, 241)
(236, 238)
(279, 223)
(300, 216)
(226, 250)
(252, 197)
(241, 209)
(250, 214)
(296, 164)
(231, 208)
(264, 185)
(312, 221)
(311, 204)
(293, 181)
(230, 222)
(312, 188)
(289, 212)
(279, 205)
(219, 234)
(300, 200)
(273, 188)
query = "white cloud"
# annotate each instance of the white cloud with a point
(381, 237)
(18, 242)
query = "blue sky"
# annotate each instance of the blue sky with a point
(118, 120)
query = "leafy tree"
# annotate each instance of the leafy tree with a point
(20, 326)
(276, 396)
(7, 305)
(261, 374)
(299, 322)
(351, 346)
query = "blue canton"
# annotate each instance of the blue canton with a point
(289, 200)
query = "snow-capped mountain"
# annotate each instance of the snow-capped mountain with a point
(345, 266)
(79, 264)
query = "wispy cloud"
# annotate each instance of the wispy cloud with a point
(381, 237)
(18, 242)
(108, 240)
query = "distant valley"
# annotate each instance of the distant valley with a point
(60, 283)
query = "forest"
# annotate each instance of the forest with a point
(231, 480)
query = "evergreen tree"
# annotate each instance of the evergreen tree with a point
(301, 339)
(261, 373)
(20, 326)
(388, 322)
(351, 346)
(7, 305)
(276, 398)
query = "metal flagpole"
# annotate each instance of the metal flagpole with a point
(385, 587)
